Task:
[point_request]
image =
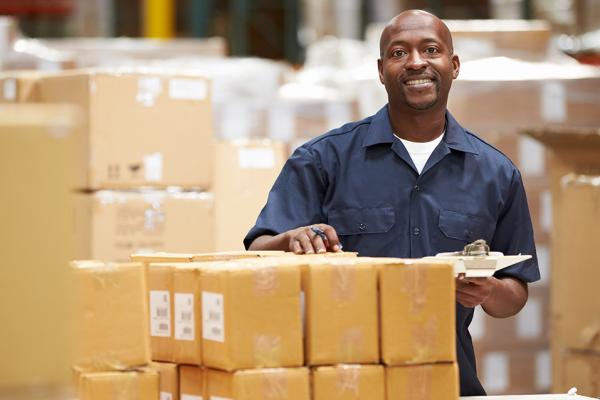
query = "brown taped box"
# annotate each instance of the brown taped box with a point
(160, 311)
(215, 256)
(36, 171)
(259, 384)
(244, 172)
(187, 309)
(341, 312)
(423, 382)
(349, 382)
(110, 309)
(169, 379)
(111, 225)
(582, 371)
(192, 382)
(251, 315)
(143, 129)
(417, 313)
(20, 86)
(142, 384)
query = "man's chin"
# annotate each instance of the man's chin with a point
(421, 106)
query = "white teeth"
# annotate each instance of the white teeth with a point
(418, 82)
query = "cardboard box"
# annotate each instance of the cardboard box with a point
(111, 225)
(251, 315)
(244, 173)
(260, 384)
(143, 130)
(160, 311)
(112, 385)
(215, 256)
(110, 307)
(423, 382)
(341, 312)
(192, 382)
(20, 86)
(37, 177)
(582, 371)
(349, 382)
(187, 308)
(417, 313)
(169, 380)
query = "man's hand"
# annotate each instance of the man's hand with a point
(499, 298)
(302, 240)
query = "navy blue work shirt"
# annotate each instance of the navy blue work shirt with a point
(360, 179)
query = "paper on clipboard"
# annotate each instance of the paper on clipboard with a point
(478, 266)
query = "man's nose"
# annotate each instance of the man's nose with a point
(415, 60)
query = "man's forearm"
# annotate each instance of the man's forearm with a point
(508, 298)
(269, 242)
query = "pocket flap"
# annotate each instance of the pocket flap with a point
(356, 221)
(461, 226)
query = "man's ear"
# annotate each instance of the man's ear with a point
(455, 66)
(380, 68)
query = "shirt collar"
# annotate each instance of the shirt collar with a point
(380, 131)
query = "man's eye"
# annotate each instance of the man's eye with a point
(398, 53)
(431, 50)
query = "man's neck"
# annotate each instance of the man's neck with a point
(423, 126)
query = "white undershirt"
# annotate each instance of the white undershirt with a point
(420, 151)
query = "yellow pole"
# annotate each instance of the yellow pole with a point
(158, 18)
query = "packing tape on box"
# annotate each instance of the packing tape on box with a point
(424, 338)
(265, 280)
(124, 385)
(275, 384)
(419, 382)
(108, 361)
(267, 350)
(343, 283)
(414, 286)
(350, 343)
(347, 379)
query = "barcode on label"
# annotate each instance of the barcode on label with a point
(214, 316)
(187, 331)
(186, 316)
(163, 327)
(162, 312)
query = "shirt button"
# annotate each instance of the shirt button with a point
(416, 231)
(362, 227)
(417, 188)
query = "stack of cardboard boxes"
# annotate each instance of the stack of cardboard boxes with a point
(275, 327)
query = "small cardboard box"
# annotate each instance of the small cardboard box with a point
(349, 382)
(143, 384)
(244, 173)
(187, 308)
(110, 309)
(192, 382)
(143, 129)
(341, 312)
(423, 382)
(160, 311)
(111, 225)
(417, 313)
(169, 379)
(251, 315)
(260, 384)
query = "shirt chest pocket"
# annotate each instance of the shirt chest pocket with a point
(357, 221)
(463, 227)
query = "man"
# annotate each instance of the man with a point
(409, 182)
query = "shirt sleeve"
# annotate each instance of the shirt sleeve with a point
(514, 234)
(295, 199)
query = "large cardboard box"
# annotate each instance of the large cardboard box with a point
(349, 382)
(110, 307)
(251, 315)
(259, 384)
(243, 176)
(36, 177)
(187, 312)
(169, 379)
(143, 129)
(111, 225)
(417, 313)
(423, 382)
(143, 384)
(160, 311)
(582, 371)
(341, 312)
(192, 382)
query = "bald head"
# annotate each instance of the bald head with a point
(415, 19)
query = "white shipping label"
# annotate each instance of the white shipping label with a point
(554, 102)
(187, 89)
(160, 313)
(213, 317)
(184, 316)
(259, 158)
(149, 88)
(166, 396)
(153, 167)
(10, 89)
(190, 397)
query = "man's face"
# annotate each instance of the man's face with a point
(417, 65)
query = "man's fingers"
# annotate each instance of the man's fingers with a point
(333, 241)
(296, 247)
(318, 243)
(306, 243)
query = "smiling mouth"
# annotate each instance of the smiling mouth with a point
(416, 82)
